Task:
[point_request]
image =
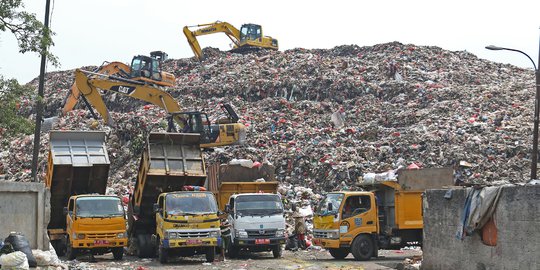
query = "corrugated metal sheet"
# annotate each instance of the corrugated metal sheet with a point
(78, 148)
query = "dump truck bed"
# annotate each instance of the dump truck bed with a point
(78, 163)
(169, 162)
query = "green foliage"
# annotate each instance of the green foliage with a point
(11, 121)
(27, 29)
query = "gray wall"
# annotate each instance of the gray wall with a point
(518, 225)
(24, 207)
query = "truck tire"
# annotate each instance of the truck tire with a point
(71, 253)
(163, 254)
(339, 253)
(362, 248)
(277, 251)
(210, 254)
(144, 246)
(118, 253)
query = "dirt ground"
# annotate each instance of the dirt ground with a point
(308, 259)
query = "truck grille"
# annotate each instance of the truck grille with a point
(100, 235)
(200, 234)
(320, 234)
(262, 233)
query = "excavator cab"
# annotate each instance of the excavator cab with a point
(146, 67)
(250, 31)
(193, 122)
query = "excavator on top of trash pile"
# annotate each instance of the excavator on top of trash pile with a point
(248, 38)
(224, 132)
(143, 68)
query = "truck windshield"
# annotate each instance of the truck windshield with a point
(258, 205)
(333, 198)
(99, 207)
(190, 203)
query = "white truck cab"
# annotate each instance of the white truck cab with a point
(258, 223)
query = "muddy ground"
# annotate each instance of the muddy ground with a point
(308, 259)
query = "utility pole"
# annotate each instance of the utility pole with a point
(39, 99)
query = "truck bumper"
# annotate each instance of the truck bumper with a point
(192, 242)
(326, 243)
(100, 243)
(259, 242)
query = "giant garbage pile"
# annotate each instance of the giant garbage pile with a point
(325, 118)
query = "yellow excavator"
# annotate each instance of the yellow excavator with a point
(146, 69)
(225, 132)
(248, 38)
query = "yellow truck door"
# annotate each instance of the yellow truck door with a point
(358, 215)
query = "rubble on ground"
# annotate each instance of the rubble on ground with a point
(325, 118)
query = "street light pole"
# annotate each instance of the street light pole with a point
(534, 154)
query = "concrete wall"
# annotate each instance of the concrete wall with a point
(24, 207)
(518, 225)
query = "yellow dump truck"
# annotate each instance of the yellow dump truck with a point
(82, 218)
(167, 215)
(387, 216)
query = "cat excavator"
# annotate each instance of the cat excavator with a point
(248, 38)
(226, 131)
(146, 69)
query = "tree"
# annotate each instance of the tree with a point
(30, 33)
(12, 122)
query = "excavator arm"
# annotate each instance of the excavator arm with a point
(210, 28)
(112, 68)
(88, 87)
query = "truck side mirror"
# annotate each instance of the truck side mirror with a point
(156, 208)
(330, 207)
(65, 210)
(227, 208)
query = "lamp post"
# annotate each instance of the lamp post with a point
(534, 155)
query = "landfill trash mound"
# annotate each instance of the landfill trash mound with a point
(324, 117)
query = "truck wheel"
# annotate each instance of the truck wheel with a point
(118, 253)
(232, 251)
(71, 253)
(163, 254)
(339, 253)
(362, 248)
(277, 251)
(210, 254)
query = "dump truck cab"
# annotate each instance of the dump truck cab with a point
(257, 223)
(342, 217)
(187, 224)
(95, 223)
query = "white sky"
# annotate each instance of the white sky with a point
(90, 32)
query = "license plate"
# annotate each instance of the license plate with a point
(262, 241)
(101, 242)
(193, 242)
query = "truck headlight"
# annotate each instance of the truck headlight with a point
(171, 235)
(241, 234)
(214, 234)
(78, 235)
(121, 235)
(280, 233)
(333, 234)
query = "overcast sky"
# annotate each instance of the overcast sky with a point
(90, 32)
